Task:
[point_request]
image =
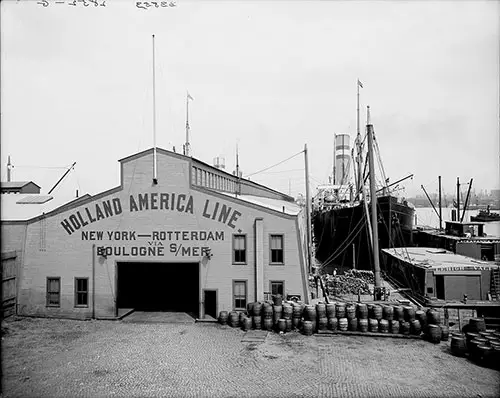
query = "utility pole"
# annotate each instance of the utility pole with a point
(458, 199)
(308, 212)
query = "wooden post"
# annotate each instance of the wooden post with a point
(459, 322)
(446, 317)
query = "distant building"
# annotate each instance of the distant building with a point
(19, 187)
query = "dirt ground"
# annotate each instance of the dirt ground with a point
(66, 358)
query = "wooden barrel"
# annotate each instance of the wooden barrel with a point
(376, 312)
(485, 334)
(277, 299)
(287, 311)
(352, 324)
(383, 326)
(404, 328)
(250, 309)
(394, 327)
(242, 318)
(409, 313)
(267, 324)
(288, 325)
(350, 311)
(322, 322)
(458, 346)
(343, 324)
(388, 312)
(398, 313)
(267, 311)
(233, 319)
(433, 317)
(472, 346)
(310, 313)
(422, 318)
(223, 317)
(484, 354)
(257, 322)
(296, 311)
(257, 308)
(330, 310)
(362, 311)
(415, 327)
(373, 325)
(282, 325)
(296, 322)
(470, 336)
(340, 310)
(434, 333)
(332, 324)
(307, 328)
(363, 324)
(445, 332)
(321, 310)
(477, 325)
(277, 311)
(246, 323)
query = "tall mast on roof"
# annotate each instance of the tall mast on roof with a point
(155, 166)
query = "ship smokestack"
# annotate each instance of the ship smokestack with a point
(342, 158)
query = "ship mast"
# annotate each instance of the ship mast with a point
(358, 145)
(373, 202)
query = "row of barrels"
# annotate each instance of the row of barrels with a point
(338, 316)
(480, 345)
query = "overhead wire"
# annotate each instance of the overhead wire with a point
(274, 165)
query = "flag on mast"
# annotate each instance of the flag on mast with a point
(360, 84)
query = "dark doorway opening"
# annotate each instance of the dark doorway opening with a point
(158, 287)
(440, 287)
(210, 300)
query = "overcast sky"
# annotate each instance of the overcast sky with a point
(269, 76)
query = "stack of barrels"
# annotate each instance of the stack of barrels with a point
(482, 346)
(434, 331)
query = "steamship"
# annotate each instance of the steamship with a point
(341, 214)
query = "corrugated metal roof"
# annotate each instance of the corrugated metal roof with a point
(12, 210)
(437, 259)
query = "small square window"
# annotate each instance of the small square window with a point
(277, 287)
(53, 292)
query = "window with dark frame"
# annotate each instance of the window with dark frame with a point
(277, 287)
(239, 249)
(240, 295)
(53, 292)
(276, 249)
(81, 292)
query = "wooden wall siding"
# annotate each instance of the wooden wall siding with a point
(50, 251)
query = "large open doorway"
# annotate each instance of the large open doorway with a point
(172, 287)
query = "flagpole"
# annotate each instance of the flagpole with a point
(155, 176)
(187, 125)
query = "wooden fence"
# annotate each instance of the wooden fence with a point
(10, 261)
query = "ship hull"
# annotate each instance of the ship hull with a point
(337, 230)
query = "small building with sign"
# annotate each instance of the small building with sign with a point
(439, 274)
(196, 239)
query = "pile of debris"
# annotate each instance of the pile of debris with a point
(344, 284)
